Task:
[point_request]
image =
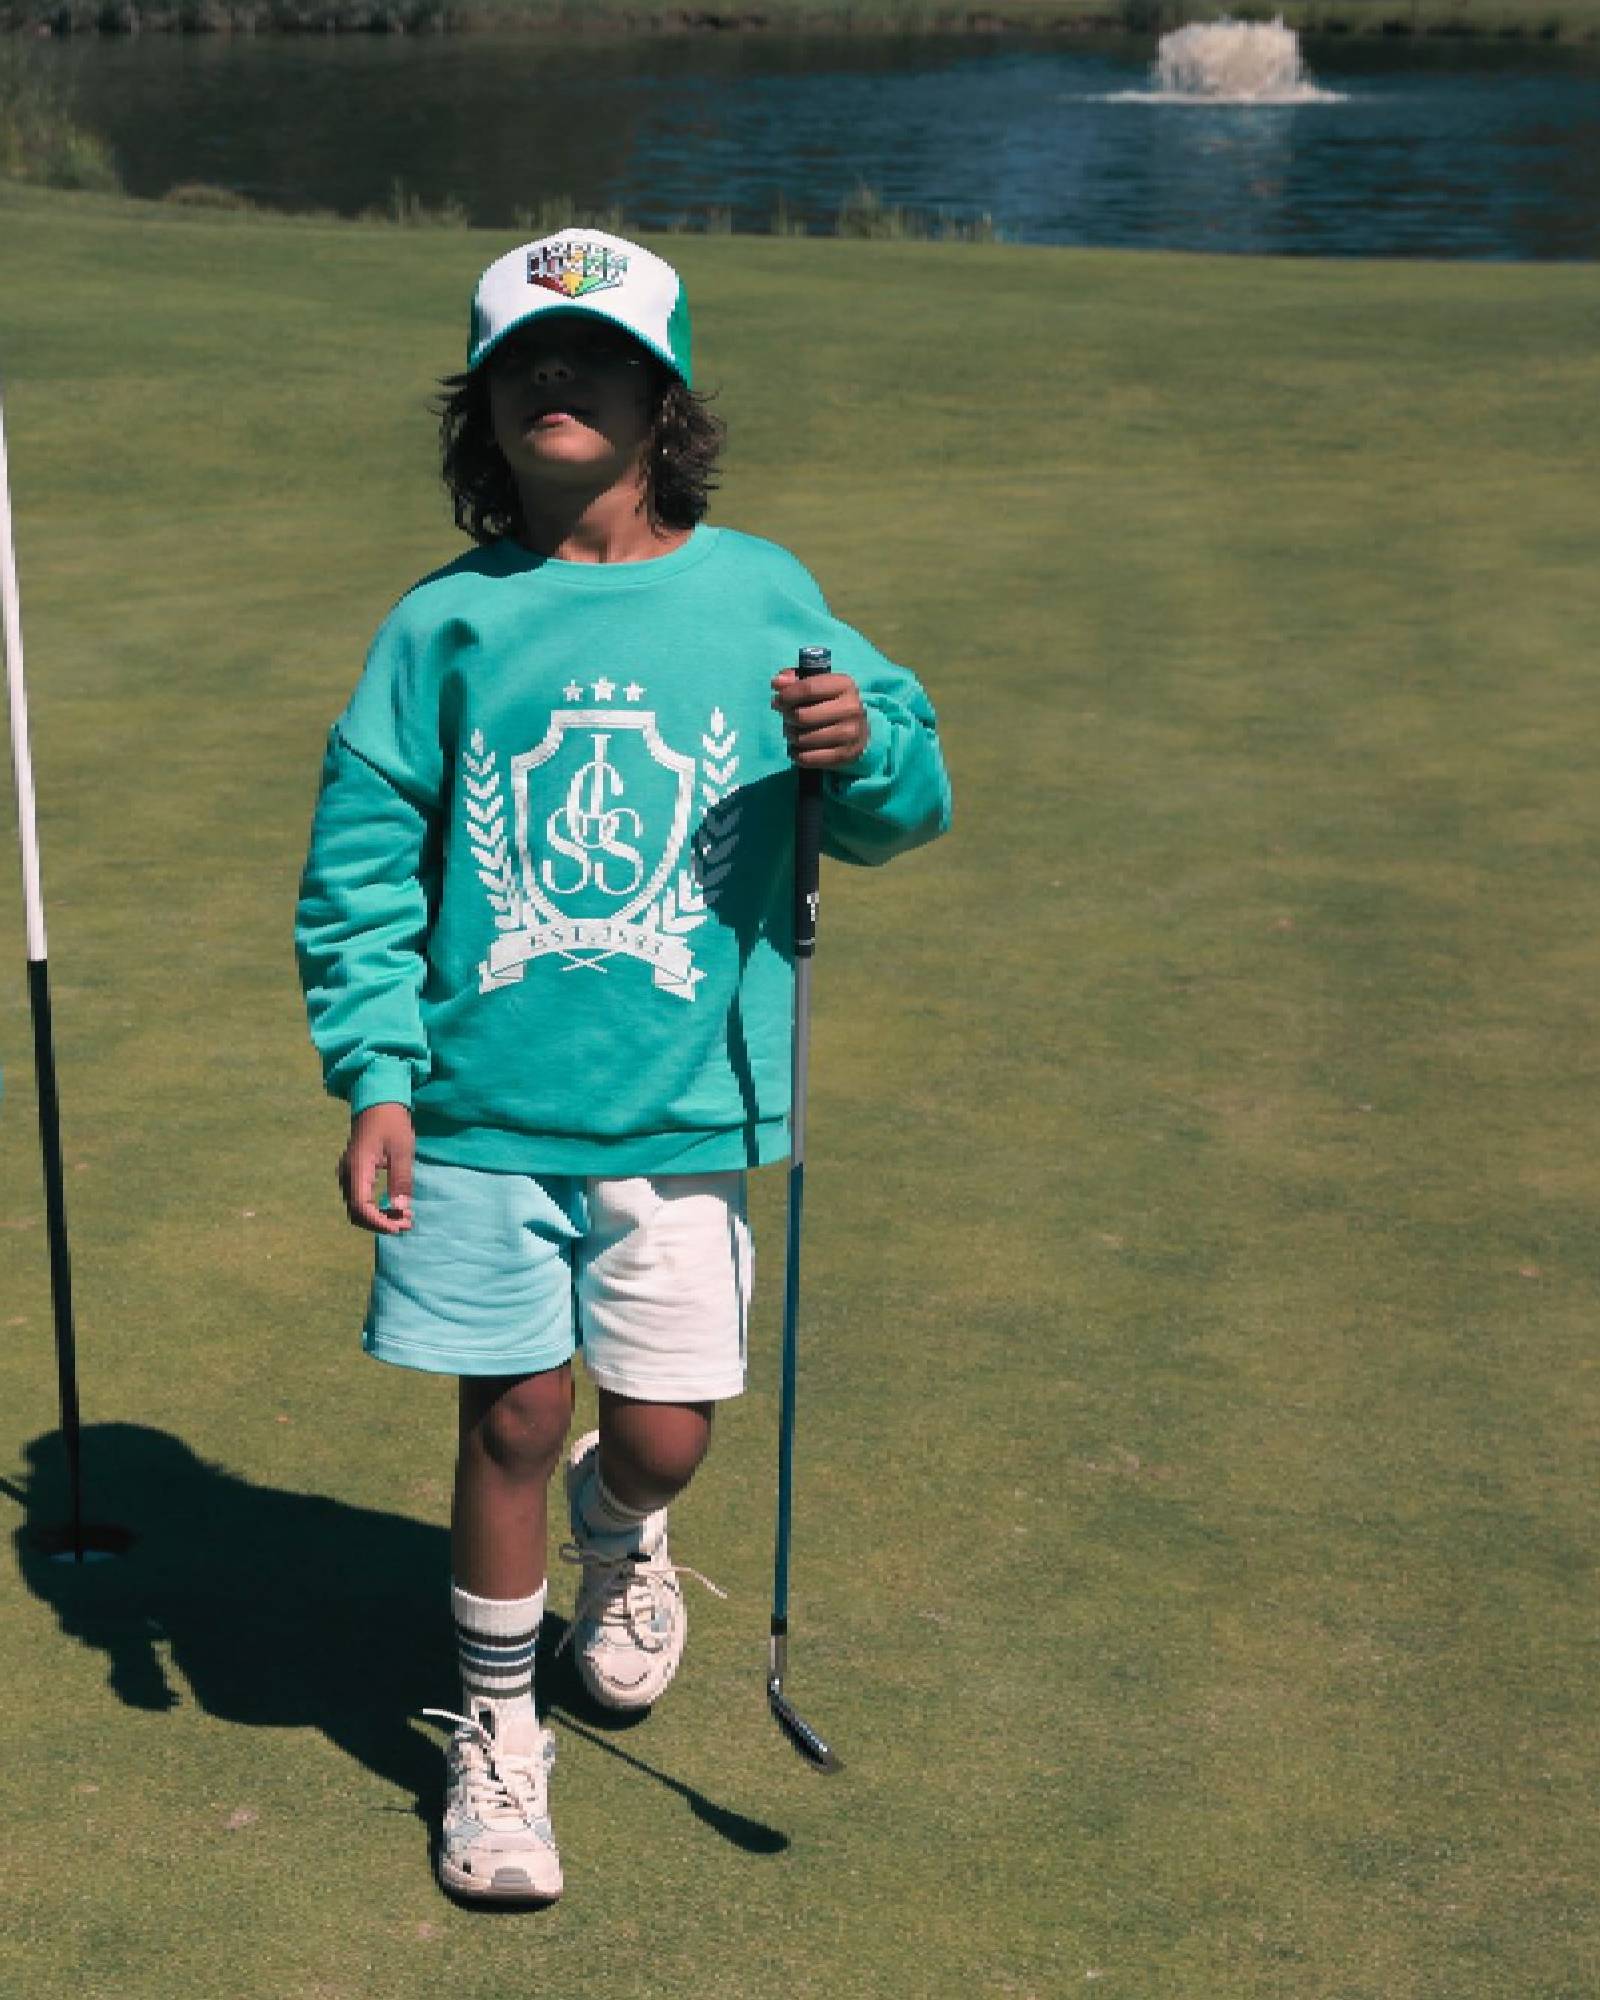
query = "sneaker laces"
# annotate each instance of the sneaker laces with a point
(496, 1792)
(624, 1590)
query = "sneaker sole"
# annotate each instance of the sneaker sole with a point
(506, 1885)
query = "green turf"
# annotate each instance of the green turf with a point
(1196, 1552)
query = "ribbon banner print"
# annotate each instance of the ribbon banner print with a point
(583, 842)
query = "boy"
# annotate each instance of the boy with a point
(545, 933)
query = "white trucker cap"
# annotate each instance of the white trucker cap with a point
(583, 271)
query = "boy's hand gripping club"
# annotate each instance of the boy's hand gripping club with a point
(807, 869)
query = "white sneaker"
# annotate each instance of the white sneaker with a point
(629, 1623)
(496, 1841)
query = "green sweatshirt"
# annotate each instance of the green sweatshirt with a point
(547, 902)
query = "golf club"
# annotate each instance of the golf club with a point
(807, 869)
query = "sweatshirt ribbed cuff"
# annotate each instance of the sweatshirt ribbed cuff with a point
(872, 759)
(385, 1080)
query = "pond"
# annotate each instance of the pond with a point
(1426, 149)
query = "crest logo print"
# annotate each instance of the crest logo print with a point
(582, 877)
(586, 830)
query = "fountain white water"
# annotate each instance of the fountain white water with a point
(1233, 62)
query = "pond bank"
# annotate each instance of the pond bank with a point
(1576, 21)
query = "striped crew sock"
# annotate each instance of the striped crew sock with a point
(495, 1641)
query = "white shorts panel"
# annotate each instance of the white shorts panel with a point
(663, 1274)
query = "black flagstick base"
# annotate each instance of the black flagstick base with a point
(75, 1540)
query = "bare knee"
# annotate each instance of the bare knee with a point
(650, 1451)
(517, 1423)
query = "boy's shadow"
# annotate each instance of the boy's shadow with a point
(286, 1611)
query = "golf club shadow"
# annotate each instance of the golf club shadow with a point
(567, 1703)
(281, 1610)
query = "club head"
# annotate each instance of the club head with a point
(800, 1733)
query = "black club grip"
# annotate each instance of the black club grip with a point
(808, 825)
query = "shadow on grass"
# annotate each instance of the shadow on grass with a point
(280, 1610)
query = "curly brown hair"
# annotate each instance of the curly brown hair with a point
(681, 453)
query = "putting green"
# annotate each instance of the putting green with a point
(1195, 1545)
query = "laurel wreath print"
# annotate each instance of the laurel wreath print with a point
(486, 832)
(719, 830)
(683, 905)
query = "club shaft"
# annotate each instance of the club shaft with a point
(789, 1361)
(789, 1366)
(807, 867)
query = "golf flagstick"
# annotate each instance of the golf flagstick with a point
(807, 869)
(73, 1539)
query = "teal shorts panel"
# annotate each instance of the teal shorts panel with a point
(482, 1282)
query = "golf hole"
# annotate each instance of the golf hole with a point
(96, 1543)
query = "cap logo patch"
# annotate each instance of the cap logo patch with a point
(576, 269)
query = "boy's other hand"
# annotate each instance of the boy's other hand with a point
(823, 718)
(381, 1140)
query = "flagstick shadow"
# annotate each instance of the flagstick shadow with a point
(281, 1610)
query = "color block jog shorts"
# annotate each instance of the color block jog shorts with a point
(508, 1274)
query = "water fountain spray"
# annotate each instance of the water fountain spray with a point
(1233, 62)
